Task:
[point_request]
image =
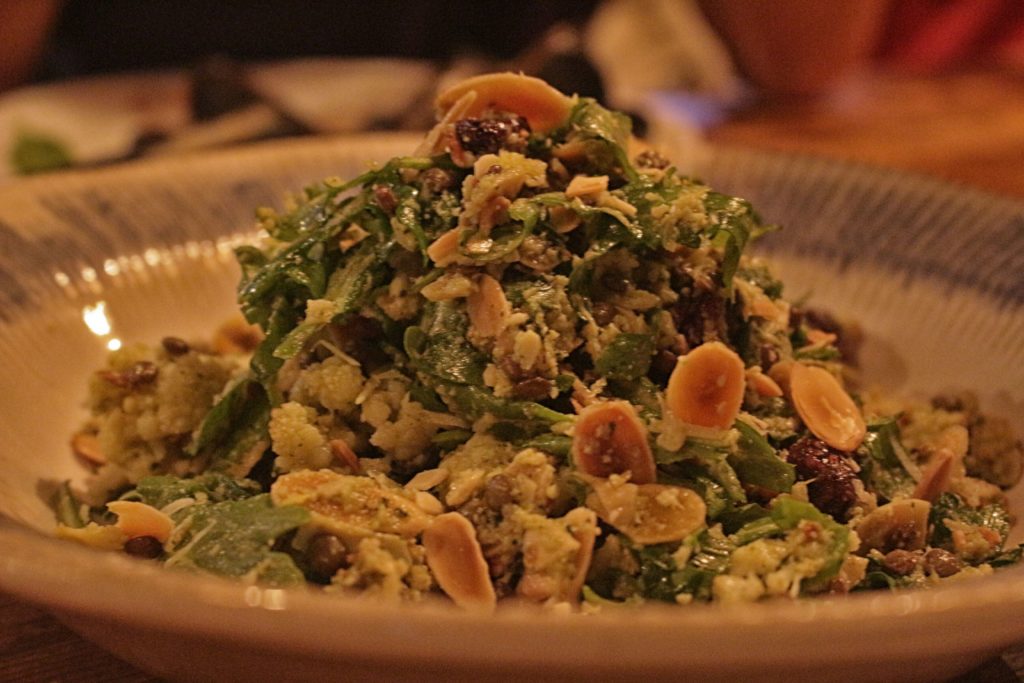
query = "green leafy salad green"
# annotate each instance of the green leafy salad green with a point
(532, 360)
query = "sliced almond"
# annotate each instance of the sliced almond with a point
(781, 373)
(706, 387)
(763, 384)
(351, 506)
(901, 524)
(137, 519)
(487, 307)
(457, 562)
(541, 105)
(826, 408)
(936, 476)
(236, 336)
(87, 447)
(659, 513)
(445, 249)
(427, 479)
(344, 454)
(610, 439)
(582, 185)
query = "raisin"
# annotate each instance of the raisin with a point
(175, 346)
(700, 317)
(385, 198)
(662, 365)
(649, 158)
(144, 546)
(140, 374)
(437, 180)
(498, 492)
(604, 312)
(615, 282)
(487, 136)
(901, 562)
(830, 486)
(326, 555)
(532, 389)
(942, 562)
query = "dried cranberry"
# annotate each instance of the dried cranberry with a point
(830, 486)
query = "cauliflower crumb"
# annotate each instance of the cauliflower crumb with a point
(334, 384)
(298, 442)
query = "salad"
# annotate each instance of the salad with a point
(532, 361)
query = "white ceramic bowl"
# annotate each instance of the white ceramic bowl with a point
(932, 271)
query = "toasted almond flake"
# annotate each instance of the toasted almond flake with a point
(433, 141)
(487, 307)
(451, 285)
(935, 478)
(427, 479)
(706, 387)
(344, 454)
(781, 373)
(349, 505)
(457, 562)
(610, 439)
(236, 336)
(816, 338)
(541, 105)
(445, 249)
(87, 447)
(429, 503)
(826, 408)
(659, 514)
(762, 383)
(901, 524)
(138, 519)
(584, 185)
(563, 219)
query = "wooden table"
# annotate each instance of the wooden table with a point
(966, 127)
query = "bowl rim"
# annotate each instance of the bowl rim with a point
(51, 573)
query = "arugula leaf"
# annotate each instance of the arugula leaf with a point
(950, 506)
(66, 507)
(438, 347)
(592, 121)
(234, 538)
(733, 224)
(787, 512)
(161, 491)
(882, 471)
(349, 288)
(627, 357)
(474, 402)
(234, 428)
(757, 464)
